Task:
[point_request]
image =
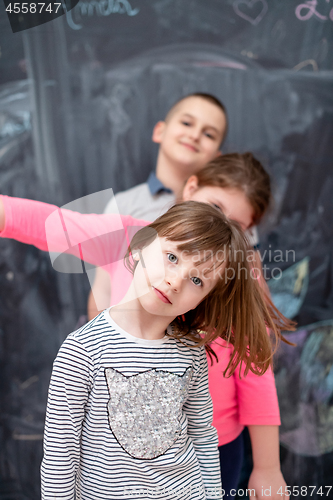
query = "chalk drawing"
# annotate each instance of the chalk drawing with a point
(249, 54)
(279, 31)
(308, 62)
(321, 50)
(251, 10)
(100, 8)
(304, 381)
(289, 291)
(305, 11)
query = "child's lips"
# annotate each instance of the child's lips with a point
(189, 146)
(161, 296)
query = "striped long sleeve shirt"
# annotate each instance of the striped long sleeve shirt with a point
(129, 418)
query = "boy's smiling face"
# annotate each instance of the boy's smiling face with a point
(192, 133)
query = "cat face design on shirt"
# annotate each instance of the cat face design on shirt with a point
(145, 410)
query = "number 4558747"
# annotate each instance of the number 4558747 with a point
(24, 8)
(304, 491)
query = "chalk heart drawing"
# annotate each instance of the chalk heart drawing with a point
(251, 10)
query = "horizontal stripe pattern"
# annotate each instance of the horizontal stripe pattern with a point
(82, 457)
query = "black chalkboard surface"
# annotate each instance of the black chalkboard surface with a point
(78, 103)
(293, 34)
(273, 33)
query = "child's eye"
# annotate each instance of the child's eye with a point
(172, 258)
(216, 206)
(187, 124)
(197, 281)
(210, 136)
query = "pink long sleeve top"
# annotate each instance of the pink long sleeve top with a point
(102, 240)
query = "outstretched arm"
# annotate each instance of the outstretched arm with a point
(2, 215)
(100, 295)
(266, 477)
(97, 239)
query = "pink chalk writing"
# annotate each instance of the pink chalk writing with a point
(305, 11)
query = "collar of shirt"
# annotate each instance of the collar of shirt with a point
(155, 185)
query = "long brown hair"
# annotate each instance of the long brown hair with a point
(243, 172)
(235, 309)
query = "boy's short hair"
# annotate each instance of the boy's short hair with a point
(207, 97)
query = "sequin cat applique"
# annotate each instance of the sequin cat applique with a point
(145, 410)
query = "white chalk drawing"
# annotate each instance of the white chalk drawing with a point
(252, 11)
(304, 382)
(288, 292)
(104, 8)
(249, 54)
(305, 11)
(321, 50)
(307, 62)
(279, 31)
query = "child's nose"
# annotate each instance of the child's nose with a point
(174, 281)
(195, 133)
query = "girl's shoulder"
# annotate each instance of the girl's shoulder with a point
(92, 334)
(189, 346)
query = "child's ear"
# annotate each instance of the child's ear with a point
(136, 256)
(190, 187)
(158, 132)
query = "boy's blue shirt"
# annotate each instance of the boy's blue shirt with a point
(145, 201)
(155, 185)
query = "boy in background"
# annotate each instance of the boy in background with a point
(189, 137)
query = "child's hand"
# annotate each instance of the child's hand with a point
(268, 483)
(2, 215)
(266, 478)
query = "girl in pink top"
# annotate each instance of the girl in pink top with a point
(238, 185)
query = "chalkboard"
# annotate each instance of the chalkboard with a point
(79, 99)
(274, 33)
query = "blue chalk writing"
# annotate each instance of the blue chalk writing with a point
(100, 8)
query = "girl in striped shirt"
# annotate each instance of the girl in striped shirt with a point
(129, 413)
